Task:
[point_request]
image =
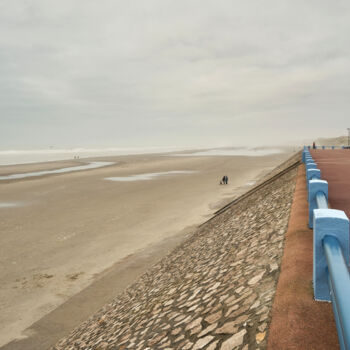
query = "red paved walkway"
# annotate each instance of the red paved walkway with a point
(298, 321)
(335, 168)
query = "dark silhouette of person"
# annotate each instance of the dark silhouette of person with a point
(224, 180)
(314, 145)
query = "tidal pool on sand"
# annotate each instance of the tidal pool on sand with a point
(148, 176)
(9, 204)
(92, 165)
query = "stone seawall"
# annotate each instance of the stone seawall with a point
(214, 291)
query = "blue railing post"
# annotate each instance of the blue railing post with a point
(308, 159)
(313, 174)
(304, 154)
(327, 222)
(311, 166)
(331, 278)
(315, 186)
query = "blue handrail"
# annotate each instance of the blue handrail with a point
(321, 200)
(331, 277)
(339, 286)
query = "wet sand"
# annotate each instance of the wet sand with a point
(69, 231)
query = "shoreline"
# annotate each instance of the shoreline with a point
(69, 156)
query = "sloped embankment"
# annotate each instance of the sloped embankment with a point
(214, 291)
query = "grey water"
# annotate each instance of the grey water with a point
(13, 157)
(148, 176)
(249, 152)
(92, 165)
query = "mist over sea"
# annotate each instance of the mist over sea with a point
(12, 157)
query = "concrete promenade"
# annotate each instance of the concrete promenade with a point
(335, 168)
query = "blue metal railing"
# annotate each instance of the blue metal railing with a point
(321, 200)
(327, 147)
(331, 278)
(339, 286)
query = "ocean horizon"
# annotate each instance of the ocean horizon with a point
(28, 156)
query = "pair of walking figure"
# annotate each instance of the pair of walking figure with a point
(224, 180)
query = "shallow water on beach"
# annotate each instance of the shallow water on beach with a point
(8, 205)
(148, 176)
(92, 165)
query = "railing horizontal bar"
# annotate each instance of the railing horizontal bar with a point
(336, 315)
(340, 286)
(321, 200)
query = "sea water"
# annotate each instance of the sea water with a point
(11, 157)
(92, 165)
(248, 152)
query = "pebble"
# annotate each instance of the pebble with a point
(213, 345)
(260, 337)
(207, 330)
(229, 328)
(234, 341)
(201, 343)
(194, 323)
(214, 317)
(273, 267)
(256, 279)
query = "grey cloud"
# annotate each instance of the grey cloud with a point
(165, 72)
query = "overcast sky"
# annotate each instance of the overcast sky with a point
(172, 73)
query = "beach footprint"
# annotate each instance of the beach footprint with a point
(37, 281)
(74, 276)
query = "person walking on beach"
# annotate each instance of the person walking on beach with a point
(226, 179)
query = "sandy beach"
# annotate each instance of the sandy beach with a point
(62, 234)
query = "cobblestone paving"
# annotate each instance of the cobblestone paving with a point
(214, 291)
